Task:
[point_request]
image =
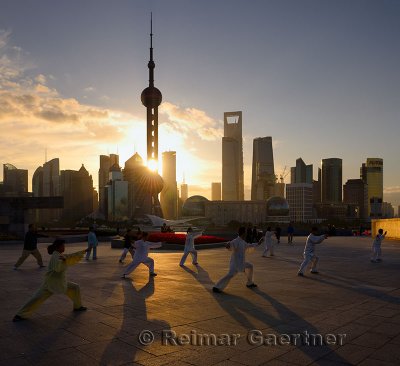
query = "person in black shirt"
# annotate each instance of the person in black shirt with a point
(127, 246)
(30, 247)
(278, 231)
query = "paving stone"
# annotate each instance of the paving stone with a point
(387, 328)
(390, 352)
(261, 354)
(349, 296)
(68, 356)
(114, 352)
(372, 340)
(305, 355)
(350, 353)
(374, 362)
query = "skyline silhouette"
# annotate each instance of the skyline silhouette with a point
(320, 78)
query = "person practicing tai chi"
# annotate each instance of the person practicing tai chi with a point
(55, 281)
(142, 255)
(376, 246)
(268, 242)
(127, 246)
(189, 246)
(238, 262)
(290, 233)
(30, 247)
(309, 252)
(92, 244)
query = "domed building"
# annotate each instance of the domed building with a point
(277, 209)
(195, 206)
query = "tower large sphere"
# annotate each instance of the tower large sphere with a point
(151, 97)
(148, 181)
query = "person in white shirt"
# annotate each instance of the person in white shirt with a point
(376, 246)
(268, 242)
(309, 252)
(142, 255)
(238, 262)
(189, 246)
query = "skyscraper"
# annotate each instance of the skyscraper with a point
(371, 173)
(355, 191)
(169, 193)
(15, 180)
(51, 178)
(232, 158)
(77, 189)
(133, 171)
(317, 188)
(331, 185)
(216, 191)
(263, 174)
(106, 162)
(301, 173)
(184, 192)
(117, 195)
(46, 183)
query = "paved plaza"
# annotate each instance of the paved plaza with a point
(350, 310)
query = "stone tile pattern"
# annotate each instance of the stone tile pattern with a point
(350, 296)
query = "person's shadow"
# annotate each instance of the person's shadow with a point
(125, 344)
(287, 321)
(352, 286)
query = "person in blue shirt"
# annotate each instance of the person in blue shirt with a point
(92, 244)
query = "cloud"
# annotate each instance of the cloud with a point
(191, 120)
(41, 79)
(89, 89)
(394, 189)
(34, 117)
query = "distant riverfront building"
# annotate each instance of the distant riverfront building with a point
(15, 181)
(232, 158)
(117, 195)
(300, 199)
(216, 191)
(371, 173)
(106, 162)
(77, 189)
(263, 174)
(169, 193)
(355, 191)
(331, 185)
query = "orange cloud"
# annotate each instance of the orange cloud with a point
(189, 120)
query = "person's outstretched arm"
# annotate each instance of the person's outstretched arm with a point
(318, 239)
(73, 258)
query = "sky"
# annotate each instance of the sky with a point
(321, 77)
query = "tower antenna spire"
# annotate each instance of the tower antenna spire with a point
(151, 34)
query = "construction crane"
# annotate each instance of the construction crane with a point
(284, 174)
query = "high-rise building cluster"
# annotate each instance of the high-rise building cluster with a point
(134, 190)
(75, 187)
(308, 199)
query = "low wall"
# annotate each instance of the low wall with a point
(119, 244)
(392, 226)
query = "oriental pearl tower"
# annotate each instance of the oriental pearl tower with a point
(151, 98)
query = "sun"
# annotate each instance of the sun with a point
(152, 165)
